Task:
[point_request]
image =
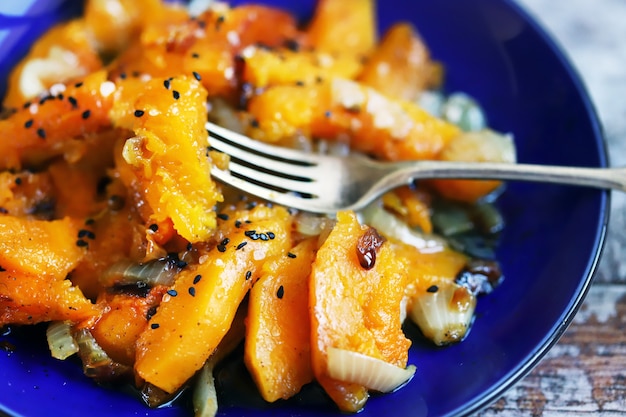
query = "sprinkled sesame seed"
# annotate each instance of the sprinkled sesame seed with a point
(197, 76)
(175, 94)
(73, 101)
(89, 221)
(432, 288)
(78, 85)
(154, 326)
(195, 55)
(192, 291)
(221, 248)
(86, 114)
(254, 123)
(166, 84)
(41, 133)
(81, 243)
(237, 224)
(154, 227)
(281, 292)
(291, 255)
(225, 242)
(222, 216)
(241, 245)
(264, 236)
(139, 113)
(248, 275)
(197, 279)
(18, 181)
(271, 235)
(86, 233)
(28, 123)
(172, 293)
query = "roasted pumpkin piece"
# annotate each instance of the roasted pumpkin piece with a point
(277, 348)
(356, 290)
(400, 66)
(34, 297)
(27, 194)
(40, 246)
(198, 310)
(343, 27)
(339, 109)
(63, 54)
(480, 146)
(124, 317)
(167, 155)
(263, 67)
(113, 24)
(45, 128)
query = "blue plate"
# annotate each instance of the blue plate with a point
(549, 249)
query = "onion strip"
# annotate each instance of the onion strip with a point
(374, 374)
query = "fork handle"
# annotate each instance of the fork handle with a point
(605, 178)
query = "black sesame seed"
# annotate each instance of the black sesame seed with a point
(254, 123)
(292, 45)
(432, 288)
(264, 236)
(89, 222)
(86, 114)
(60, 96)
(250, 233)
(78, 85)
(197, 279)
(154, 326)
(222, 216)
(2, 269)
(18, 181)
(81, 243)
(327, 113)
(237, 224)
(41, 133)
(28, 123)
(73, 101)
(123, 76)
(175, 94)
(291, 255)
(281, 292)
(300, 83)
(139, 113)
(173, 293)
(197, 76)
(166, 84)
(154, 227)
(195, 55)
(248, 275)
(271, 235)
(241, 245)
(27, 104)
(221, 248)
(86, 233)
(181, 264)
(225, 242)
(192, 291)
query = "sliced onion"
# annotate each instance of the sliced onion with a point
(97, 364)
(60, 340)
(445, 313)
(372, 373)
(204, 394)
(125, 272)
(390, 226)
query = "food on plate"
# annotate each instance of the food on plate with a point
(113, 231)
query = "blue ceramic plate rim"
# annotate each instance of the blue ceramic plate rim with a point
(506, 379)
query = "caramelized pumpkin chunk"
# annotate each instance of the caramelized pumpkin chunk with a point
(29, 298)
(199, 308)
(355, 308)
(167, 155)
(39, 246)
(277, 349)
(341, 108)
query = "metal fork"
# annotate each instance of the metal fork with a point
(327, 184)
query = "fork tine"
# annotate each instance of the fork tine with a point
(275, 180)
(222, 137)
(288, 200)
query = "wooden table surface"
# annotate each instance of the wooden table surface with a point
(585, 373)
